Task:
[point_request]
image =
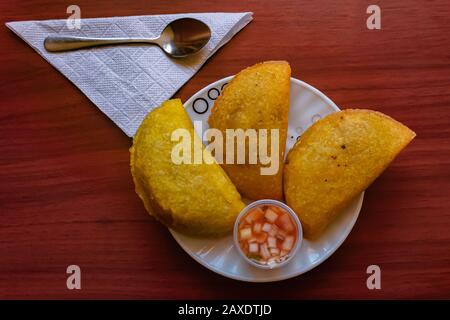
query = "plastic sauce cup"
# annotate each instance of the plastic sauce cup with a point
(264, 236)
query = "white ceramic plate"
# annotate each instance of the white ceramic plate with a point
(307, 105)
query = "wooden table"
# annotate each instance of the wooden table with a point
(66, 195)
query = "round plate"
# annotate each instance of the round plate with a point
(307, 105)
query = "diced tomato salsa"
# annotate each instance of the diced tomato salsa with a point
(267, 234)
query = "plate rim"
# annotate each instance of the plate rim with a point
(274, 278)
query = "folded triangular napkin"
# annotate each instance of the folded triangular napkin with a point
(127, 81)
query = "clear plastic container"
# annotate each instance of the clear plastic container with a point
(292, 252)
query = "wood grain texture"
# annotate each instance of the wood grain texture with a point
(66, 195)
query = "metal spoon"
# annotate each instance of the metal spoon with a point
(179, 38)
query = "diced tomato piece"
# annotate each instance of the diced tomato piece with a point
(271, 215)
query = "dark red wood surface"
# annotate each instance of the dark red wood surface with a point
(66, 195)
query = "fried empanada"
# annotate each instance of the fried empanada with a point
(336, 159)
(195, 199)
(257, 98)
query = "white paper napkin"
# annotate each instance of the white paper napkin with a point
(126, 82)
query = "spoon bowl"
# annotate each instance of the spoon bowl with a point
(184, 37)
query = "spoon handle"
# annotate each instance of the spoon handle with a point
(65, 43)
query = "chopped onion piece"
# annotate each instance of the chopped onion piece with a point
(273, 232)
(246, 233)
(272, 242)
(283, 253)
(288, 243)
(265, 251)
(253, 248)
(267, 227)
(257, 227)
(271, 215)
(262, 237)
(252, 239)
(277, 209)
(275, 251)
(254, 214)
(285, 222)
